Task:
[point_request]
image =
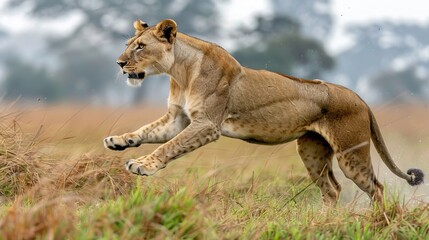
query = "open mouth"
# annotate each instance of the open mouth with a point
(135, 79)
(136, 75)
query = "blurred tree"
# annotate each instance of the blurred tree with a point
(314, 16)
(386, 50)
(400, 85)
(281, 47)
(23, 79)
(85, 71)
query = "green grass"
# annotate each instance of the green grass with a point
(216, 192)
(208, 211)
(163, 213)
(144, 214)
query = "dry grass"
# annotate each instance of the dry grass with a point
(42, 190)
(58, 182)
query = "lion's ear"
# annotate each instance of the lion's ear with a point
(167, 29)
(139, 25)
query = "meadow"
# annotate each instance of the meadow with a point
(58, 182)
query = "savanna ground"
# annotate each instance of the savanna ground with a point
(58, 182)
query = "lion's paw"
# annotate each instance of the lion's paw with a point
(119, 143)
(144, 166)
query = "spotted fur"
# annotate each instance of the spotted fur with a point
(211, 95)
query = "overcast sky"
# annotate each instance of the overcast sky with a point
(364, 11)
(345, 12)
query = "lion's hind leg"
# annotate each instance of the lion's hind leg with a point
(349, 137)
(317, 154)
(356, 165)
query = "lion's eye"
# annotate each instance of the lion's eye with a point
(140, 46)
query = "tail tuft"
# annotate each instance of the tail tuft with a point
(417, 176)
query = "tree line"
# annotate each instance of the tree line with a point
(388, 61)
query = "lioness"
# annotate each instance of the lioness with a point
(211, 95)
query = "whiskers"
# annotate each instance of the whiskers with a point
(135, 83)
(125, 37)
(119, 75)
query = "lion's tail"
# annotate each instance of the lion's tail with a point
(413, 176)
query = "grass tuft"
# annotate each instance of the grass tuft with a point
(18, 167)
(145, 214)
(51, 216)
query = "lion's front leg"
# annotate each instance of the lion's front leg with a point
(194, 136)
(160, 131)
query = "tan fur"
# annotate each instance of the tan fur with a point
(211, 95)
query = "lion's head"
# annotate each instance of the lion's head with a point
(149, 52)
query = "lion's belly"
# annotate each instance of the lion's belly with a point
(266, 133)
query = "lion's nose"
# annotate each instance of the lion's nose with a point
(121, 63)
